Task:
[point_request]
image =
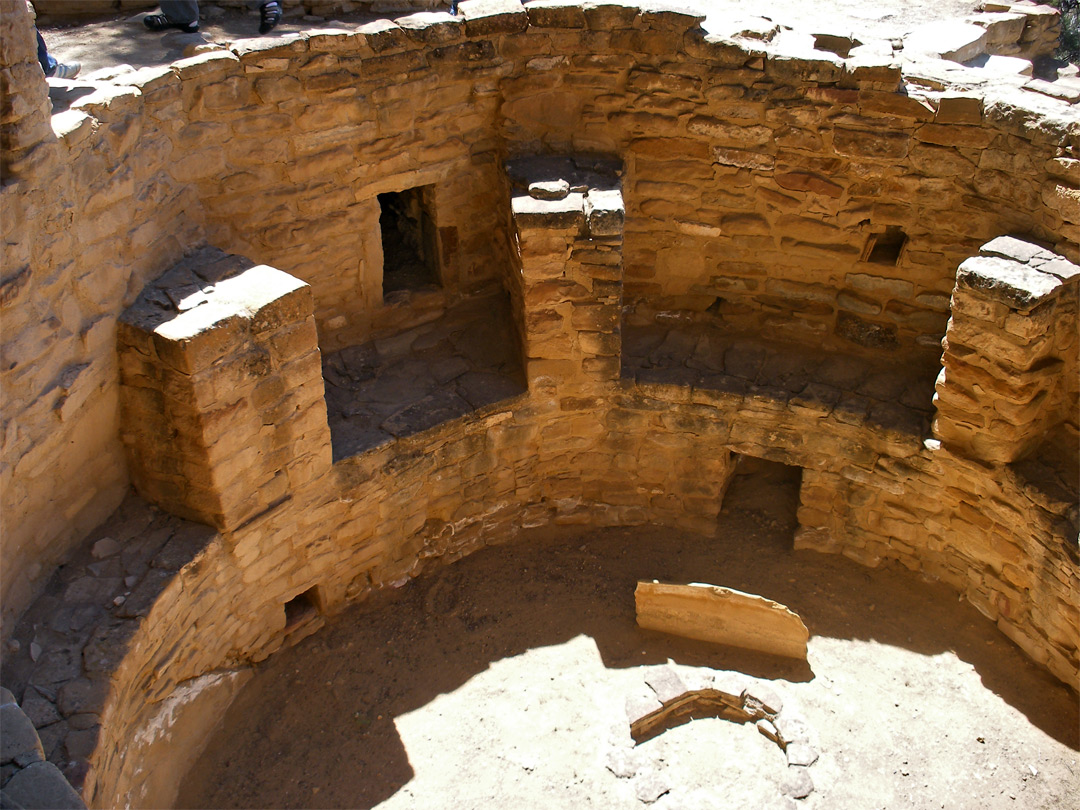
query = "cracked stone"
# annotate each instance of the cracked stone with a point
(797, 783)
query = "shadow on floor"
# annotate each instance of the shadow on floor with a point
(379, 661)
(401, 385)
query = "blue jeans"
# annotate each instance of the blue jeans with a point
(48, 64)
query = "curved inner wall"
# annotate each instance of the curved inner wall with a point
(729, 206)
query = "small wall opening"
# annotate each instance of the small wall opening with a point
(886, 247)
(302, 607)
(767, 492)
(409, 240)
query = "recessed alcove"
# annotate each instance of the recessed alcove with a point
(398, 385)
(886, 247)
(896, 395)
(301, 608)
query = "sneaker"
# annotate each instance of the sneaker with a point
(159, 22)
(66, 71)
(269, 16)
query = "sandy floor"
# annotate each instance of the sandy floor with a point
(501, 681)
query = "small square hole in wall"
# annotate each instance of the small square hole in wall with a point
(409, 239)
(302, 607)
(886, 247)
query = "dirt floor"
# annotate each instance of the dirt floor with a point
(501, 681)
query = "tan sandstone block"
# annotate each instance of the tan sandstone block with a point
(721, 615)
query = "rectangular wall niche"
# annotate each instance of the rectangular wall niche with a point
(409, 240)
(886, 247)
(302, 607)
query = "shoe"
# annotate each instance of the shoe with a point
(66, 71)
(159, 22)
(269, 16)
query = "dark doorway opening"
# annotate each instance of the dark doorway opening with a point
(409, 241)
(766, 493)
(886, 247)
(302, 607)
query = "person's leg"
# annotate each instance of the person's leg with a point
(48, 64)
(181, 14)
(269, 15)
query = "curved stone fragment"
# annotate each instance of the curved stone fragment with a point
(721, 615)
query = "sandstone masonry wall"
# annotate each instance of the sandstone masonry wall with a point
(277, 150)
(755, 180)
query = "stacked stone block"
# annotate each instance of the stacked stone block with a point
(222, 390)
(1027, 29)
(1011, 352)
(568, 220)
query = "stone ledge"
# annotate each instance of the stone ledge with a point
(486, 17)
(1018, 286)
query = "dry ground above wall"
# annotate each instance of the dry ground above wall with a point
(501, 681)
(106, 42)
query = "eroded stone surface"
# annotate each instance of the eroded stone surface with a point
(720, 615)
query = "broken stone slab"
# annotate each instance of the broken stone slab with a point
(801, 753)
(566, 213)
(651, 787)
(41, 786)
(1009, 247)
(604, 212)
(797, 783)
(666, 683)
(954, 40)
(721, 615)
(19, 736)
(1062, 89)
(791, 730)
(1003, 66)
(640, 706)
(625, 763)
(1016, 285)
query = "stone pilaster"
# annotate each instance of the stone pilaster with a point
(1010, 352)
(222, 392)
(567, 226)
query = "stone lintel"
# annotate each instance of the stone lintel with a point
(432, 27)
(1009, 247)
(1018, 286)
(555, 14)
(567, 192)
(721, 615)
(487, 17)
(604, 212)
(569, 212)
